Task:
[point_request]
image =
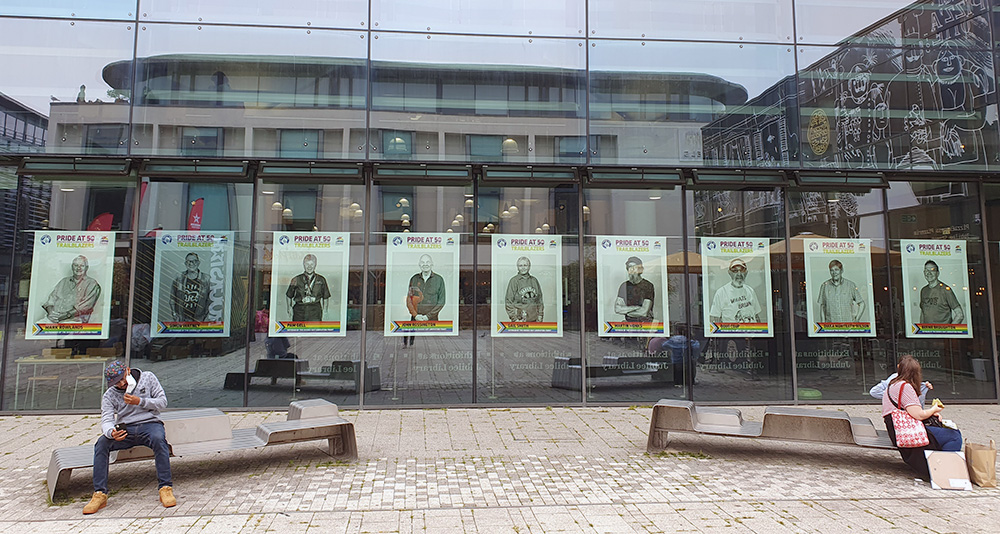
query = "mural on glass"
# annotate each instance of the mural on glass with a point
(631, 286)
(76, 306)
(936, 288)
(192, 284)
(736, 298)
(526, 280)
(839, 299)
(309, 272)
(422, 270)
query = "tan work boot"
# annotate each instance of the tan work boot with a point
(167, 497)
(98, 501)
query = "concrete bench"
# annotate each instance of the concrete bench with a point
(780, 423)
(207, 430)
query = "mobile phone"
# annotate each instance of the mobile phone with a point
(120, 426)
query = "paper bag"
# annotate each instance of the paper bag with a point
(982, 461)
(948, 470)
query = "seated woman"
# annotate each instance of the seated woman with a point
(902, 390)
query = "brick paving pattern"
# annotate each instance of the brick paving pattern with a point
(512, 470)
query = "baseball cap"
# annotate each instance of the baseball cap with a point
(633, 261)
(737, 262)
(114, 372)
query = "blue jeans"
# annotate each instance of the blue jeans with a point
(149, 434)
(948, 438)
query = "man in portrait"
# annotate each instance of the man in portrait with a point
(636, 294)
(735, 302)
(308, 293)
(938, 303)
(189, 292)
(425, 296)
(839, 300)
(523, 299)
(74, 297)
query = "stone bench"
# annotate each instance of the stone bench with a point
(781, 423)
(207, 430)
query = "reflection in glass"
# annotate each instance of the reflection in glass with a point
(717, 20)
(202, 92)
(730, 363)
(305, 284)
(53, 96)
(430, 365)
(311, 13)
(521, 367)
(552, 18)
(840, 367)
(926, 106)
(479, 99)
(174, 266)
(641, 367)
(686, 103)
(72, 9)
(70, 367)
(945, 213)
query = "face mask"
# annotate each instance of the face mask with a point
(130, 383)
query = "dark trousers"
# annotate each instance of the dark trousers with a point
(151, 435)
(914, 457)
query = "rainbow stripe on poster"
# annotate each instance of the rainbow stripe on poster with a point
(66, 329)
(309, 327)
(422, 327)
(191, 327)
(527, 328)
(930, 329)
(843, 328)
(739, 328)
(630, 327)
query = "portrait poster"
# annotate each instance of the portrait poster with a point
(309, 273)
(839, 292)
(421, 284)
(70, 290)
(192, 284)
(527, 286)
(736, 287)
(630, 271)
(936, 300)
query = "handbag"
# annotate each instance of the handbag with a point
(910, 433)
(982, 462)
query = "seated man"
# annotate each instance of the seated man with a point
(130, 416)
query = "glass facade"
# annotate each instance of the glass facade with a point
(567, 202)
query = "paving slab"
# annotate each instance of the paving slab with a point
(493, 470)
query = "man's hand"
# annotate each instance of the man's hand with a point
(421, 317)
(131, 399)
(118, 435)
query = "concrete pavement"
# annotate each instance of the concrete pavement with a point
(493, 470)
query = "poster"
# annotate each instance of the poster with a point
(309, 284)
(631, 286)
(839, 293)
(527, 286)
(70, 288)
(736, 287)
(936, 288)
(192, 284)
(421, 284)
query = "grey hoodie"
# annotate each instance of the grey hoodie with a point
(152, 399)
